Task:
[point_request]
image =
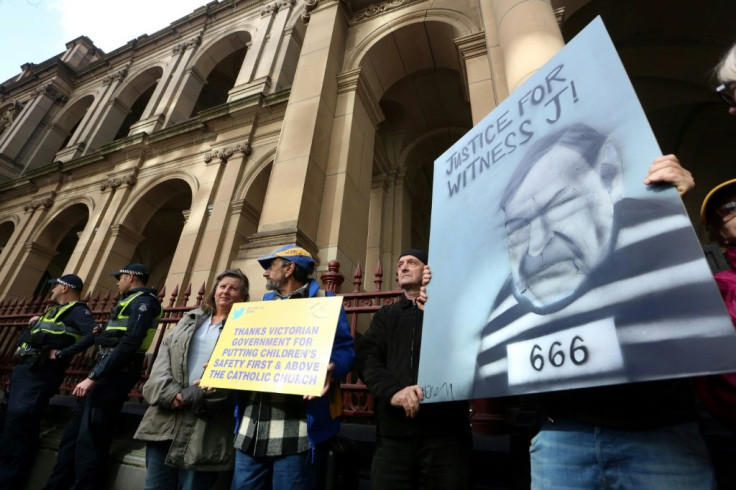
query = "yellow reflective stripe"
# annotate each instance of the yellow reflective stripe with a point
(148, 340)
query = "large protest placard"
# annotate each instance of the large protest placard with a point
(275, 346)
(554, 265)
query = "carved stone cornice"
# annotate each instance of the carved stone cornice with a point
(269, 9)
(470, 47)
(274, 7)
(354, 80)
(50, 91)
(123, 232)
(227, 152)
(181, 47)
(38, 249)
(381, 8)
(309, 5)
(115, 182)
(115, 77)
(45, 202)
(241, 207)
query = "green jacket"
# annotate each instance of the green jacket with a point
(202, 431)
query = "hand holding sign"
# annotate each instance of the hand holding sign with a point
(276, 346)
(328, 380)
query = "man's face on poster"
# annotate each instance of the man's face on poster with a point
(559, 225)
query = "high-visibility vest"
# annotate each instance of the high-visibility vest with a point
(49, 324)
(118, 323)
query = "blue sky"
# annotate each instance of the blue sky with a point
(35, 30)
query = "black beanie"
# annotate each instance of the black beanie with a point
(415, 252)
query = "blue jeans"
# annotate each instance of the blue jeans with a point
(571, 455)
(160, 476)
(292, 472)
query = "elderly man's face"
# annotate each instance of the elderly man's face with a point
(559, 225)
(409, 272)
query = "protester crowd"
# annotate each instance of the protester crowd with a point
(640, 435)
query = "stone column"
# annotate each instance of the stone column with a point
(102, 120)
(297, 183)
(16, 138)
(190, 240)
(216, 241)
(183, 87)
(152, 118)
(481, 90)
(109, 245)
(255, 72)
(343, 227)
(528, 35)
(89, 253)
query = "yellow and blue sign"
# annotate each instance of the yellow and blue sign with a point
(275, 346)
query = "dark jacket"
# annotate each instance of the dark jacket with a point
(202, 431)
(388, 361)
(143, 312)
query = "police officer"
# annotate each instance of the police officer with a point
(44, 351)
(122, 345)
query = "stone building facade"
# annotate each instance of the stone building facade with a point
(250, 124)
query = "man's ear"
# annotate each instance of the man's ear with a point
(610, 169)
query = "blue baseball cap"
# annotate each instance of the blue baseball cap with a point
(292, 253)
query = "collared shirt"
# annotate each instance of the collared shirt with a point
(302, 292)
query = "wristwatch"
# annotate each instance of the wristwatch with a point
(92, 375)
(57, 355)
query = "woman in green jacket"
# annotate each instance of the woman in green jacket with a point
(188, 430)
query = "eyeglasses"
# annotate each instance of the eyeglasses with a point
(725, 90)
(727, 210)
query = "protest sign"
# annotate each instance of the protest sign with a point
(564, 270)
(275, 346)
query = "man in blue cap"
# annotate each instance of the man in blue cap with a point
(281, 438)
(44, 351)
(122, 345)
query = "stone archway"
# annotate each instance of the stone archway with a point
(57, 134)
(426, 109)
(151, 230)
(47, 253)
(126, 108)
(212, 74)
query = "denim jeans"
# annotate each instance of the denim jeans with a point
(160, 476)
(292, 472)
(571, 455)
